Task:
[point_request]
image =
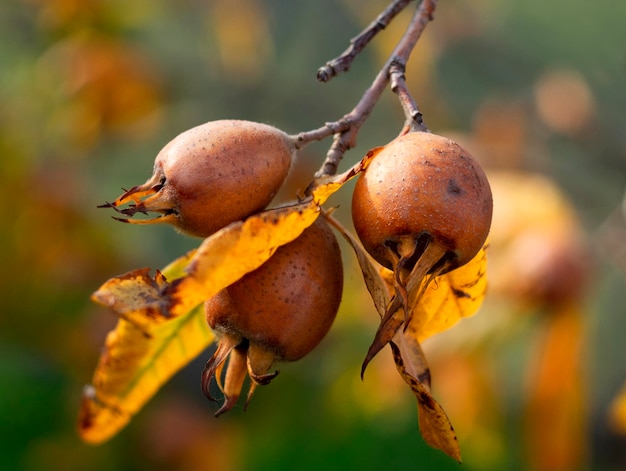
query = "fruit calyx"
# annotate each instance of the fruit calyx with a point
(144, 199)
(242, 359)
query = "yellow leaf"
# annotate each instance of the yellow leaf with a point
(135, 296)
(446, 300)
(451, 297)
(140, 354)
(162, 326)
(244, 246)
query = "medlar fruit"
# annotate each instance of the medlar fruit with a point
(212, 175)
(422, 207)
(423, 186)
(280, 311)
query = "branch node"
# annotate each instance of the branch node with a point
(397, 69)
(342, 142)
(326, 72)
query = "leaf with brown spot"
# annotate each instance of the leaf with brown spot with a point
(451, 297)
(434, 424)
(143, 352)
(136, 296)
(244, 246)
(412, 356)
(446, 299)
(162, 325)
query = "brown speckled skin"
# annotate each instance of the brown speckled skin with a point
(288, 304)
(423, 183)
(221, 172)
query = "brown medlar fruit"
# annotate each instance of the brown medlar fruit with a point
(423, 189)
(421, 208)
(279, 312)
(212, 175)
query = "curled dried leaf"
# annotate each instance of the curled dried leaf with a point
(434, 424)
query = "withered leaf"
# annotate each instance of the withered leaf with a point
(143, 351)
(412, 357)
(434, 424)
(371, 270)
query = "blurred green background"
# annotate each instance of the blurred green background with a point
(90, 90)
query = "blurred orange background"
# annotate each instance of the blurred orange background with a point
(90, 90)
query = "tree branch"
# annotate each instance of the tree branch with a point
(345, 130)
(343, 62)
(414, 120)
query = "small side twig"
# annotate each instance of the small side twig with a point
(345, 130)
(414, 118)
(343, 62)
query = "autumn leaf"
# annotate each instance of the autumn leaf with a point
(141, 353)
(162, 326)
(446, 300)
(135, 296)
(434, 424)
(451, 297)
(244, 246)
(372, 272)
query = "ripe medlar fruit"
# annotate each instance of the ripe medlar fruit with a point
(423, 186)
(280, 311)
(422, 207)
(212, 175)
